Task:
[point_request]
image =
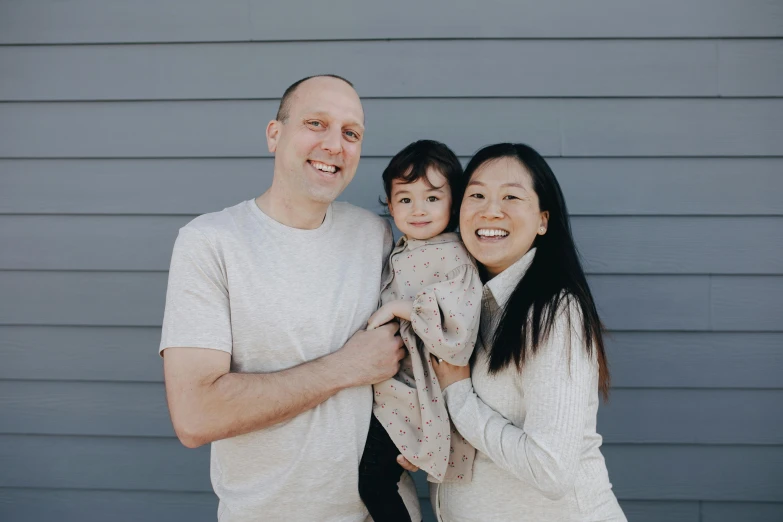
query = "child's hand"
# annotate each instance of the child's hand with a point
(399, 308)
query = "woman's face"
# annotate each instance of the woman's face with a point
(500, 218)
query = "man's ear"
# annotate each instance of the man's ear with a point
(272, 135)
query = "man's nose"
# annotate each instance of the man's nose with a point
(332, 142)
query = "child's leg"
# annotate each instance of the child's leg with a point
(379, 474)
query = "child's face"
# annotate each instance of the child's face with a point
(421, 210)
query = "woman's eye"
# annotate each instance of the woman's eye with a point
(509, 196)
(477, 196)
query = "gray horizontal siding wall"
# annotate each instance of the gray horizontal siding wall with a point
(663, 121)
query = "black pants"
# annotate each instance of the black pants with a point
(379, 474)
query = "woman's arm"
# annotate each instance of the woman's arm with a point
(557, 383)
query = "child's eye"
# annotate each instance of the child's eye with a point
(432, 199)
(405, 200)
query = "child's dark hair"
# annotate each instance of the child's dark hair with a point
(411, 164)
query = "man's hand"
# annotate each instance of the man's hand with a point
(371, 356)
(399, 308)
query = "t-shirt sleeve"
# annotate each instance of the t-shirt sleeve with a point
(197, 310)
(445, 315)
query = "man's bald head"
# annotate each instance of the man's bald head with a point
(285, 102)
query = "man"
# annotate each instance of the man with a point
(264, 350)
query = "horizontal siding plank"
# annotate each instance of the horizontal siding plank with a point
(88, 243)
(116, 409)
(746, 303)
(24, 505)
(637, 416)
(637, 359)
(751, 67)
(651, 302)
(137, 299)
(744, 511)
(92, 21)
(614, 245)
(719, 473)
(672, 127)
(658, 511)
(679, 245)
(550, 68)
(638, 472)
(237, 128)
(693, 416)
(696, 359)
(635, 186)
(82, 298)
(569, 127)
(80, 353)
(109, 463)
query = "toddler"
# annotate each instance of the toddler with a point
(432, 286)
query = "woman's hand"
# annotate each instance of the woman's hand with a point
(447, 373)
(399, 308)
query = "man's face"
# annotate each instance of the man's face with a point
(317, 148)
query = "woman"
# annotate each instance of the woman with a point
(530, 407)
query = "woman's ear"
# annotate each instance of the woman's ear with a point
(542, 228)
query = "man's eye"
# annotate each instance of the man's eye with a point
(314, 123)
(405, 200)
(432, 199)
(352, 135)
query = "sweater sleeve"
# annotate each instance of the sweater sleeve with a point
(445, 315)
(557, 383)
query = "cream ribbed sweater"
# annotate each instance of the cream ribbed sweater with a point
(538, 455)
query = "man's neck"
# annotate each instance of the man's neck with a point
(306, 215)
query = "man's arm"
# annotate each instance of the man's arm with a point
(209, 403)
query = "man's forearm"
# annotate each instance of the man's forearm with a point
(238, 403)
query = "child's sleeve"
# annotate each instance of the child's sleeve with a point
(445, 315)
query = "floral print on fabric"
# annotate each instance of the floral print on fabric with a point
(441, 279)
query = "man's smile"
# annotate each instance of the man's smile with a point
(324, 167)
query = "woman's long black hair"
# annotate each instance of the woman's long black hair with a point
(554, 280)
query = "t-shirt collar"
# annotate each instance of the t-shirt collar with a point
(503, 284)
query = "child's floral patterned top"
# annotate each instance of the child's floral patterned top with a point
(441, 279)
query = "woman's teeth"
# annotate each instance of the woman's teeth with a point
(489, 232)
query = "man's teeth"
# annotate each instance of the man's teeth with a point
(489, 232)
(324, 167)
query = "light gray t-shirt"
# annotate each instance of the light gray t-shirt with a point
(276, 297)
